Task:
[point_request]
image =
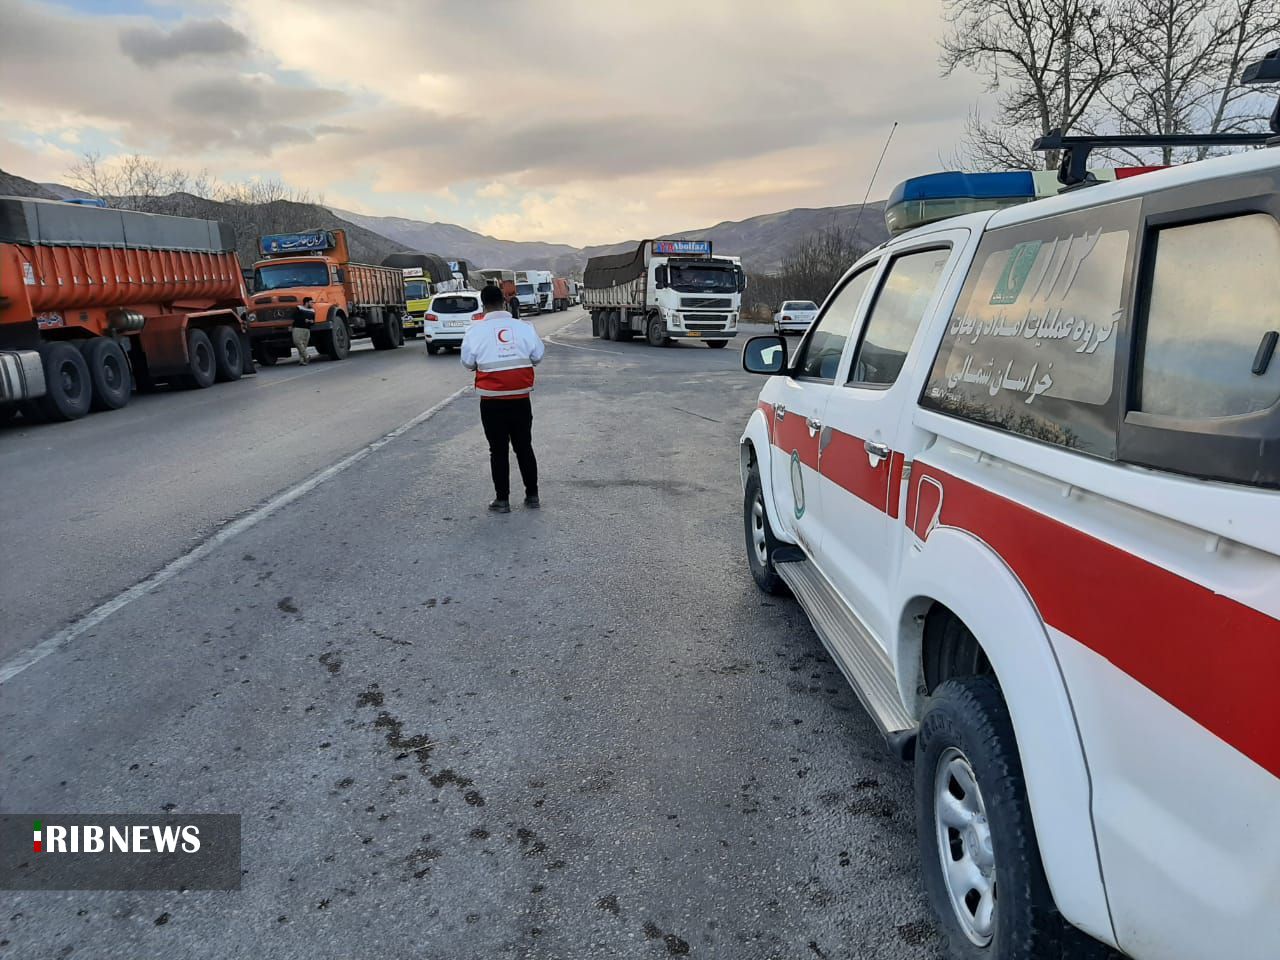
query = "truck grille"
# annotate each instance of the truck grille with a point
(273, 314)
(704, 321)
(705, 303)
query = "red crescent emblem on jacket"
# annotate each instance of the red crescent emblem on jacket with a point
(504, 335)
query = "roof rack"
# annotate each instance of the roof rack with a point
(1073, 170)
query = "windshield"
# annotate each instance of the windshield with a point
(544, 287)
(799, 305)
(454, 305)
(524, 288)
(703, 279)
(306, 273)
(415, 290)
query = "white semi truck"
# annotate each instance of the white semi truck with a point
(665, 290)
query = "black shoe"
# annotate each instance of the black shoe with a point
(532, 503)
(500, 506)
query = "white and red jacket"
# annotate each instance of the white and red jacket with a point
(502, 351)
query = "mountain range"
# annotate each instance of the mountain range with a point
(761, 241)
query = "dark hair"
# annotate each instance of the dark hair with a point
(492, 297)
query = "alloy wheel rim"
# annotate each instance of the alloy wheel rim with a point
(758, 540)
(964, 846)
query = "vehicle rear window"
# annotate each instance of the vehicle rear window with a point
(799, 305)
(1031, 344)
(455, 305)
(1215, 294)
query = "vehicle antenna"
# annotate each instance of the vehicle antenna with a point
(872, 183)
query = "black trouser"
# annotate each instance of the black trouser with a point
(510, 421)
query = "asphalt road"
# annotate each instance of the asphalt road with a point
(572, 733)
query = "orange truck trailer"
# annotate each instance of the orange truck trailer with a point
(94, 301)
(351, 299)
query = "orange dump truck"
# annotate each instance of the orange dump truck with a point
(94, 301)
(351, 299)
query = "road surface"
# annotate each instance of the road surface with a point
(578, 732)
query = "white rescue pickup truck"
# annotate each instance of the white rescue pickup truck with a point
(1023, 475)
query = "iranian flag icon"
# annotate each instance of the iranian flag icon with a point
(37, 837)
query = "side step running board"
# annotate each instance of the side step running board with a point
(861, 659)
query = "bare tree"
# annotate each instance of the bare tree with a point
(1182, 66)
(1049, 60)
(808, 272)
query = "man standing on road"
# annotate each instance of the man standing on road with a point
(304, 317)
(503, 352)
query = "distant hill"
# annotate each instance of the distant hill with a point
(12, 185)
(761, 241)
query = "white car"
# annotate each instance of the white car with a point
(448, 317)
(1023, 475)
(794, 317)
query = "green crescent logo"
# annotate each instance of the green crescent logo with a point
(797, 484)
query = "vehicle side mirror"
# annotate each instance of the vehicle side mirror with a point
(660, 277)
(767, 355)
(742, 279)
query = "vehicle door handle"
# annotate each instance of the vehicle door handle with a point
(779, 412)
(880, 450)
(813, 425)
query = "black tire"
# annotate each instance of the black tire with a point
(379, 332)
(596, 330)
(66, 377)
(7, 412)
(335, 343)
(108, 372)
(202, 367)
(717, 344)
(397, 329)
(433, 348)
(264, 355)
(966, 729)
(759, 536)
(613, 329)
(656, 332)
(227, 354)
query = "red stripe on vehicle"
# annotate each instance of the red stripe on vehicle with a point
(845, 463)
(1209, 656)
(791, 433)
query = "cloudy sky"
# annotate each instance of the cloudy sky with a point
(580, 121)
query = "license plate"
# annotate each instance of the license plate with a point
(455, 323)
(695, 333)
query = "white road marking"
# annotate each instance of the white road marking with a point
(28, 658)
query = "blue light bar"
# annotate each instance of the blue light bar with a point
(937, 196)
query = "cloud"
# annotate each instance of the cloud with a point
(721, 111)
(148, 46)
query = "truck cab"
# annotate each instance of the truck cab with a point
(351, 299)
(417, 299)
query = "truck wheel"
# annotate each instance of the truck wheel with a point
(66, 377)
(227, 355)
(397, 329)
(717, 344)
(760, 539)
(978, 852)
(202, 368)
(264, 355)
(656, 332)
(108, 373)
(336, 341)
(595, 324)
